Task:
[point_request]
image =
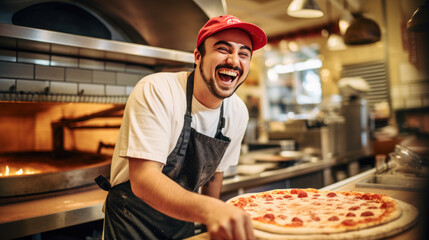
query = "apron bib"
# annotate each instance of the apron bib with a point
(191, 164)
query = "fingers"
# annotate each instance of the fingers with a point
(249, 228)
(221, 232)
(239, 228)
(234, 227)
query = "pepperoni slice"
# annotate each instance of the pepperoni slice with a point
(297, 219)
(367, 214)
(384, 205)
(372, 207)
(287, 196)
(350, 214)
(302, 194)
(331, 195)
(316, 195)
(354, 208)
(333, 218)
(348, 222)
(366, 196)
(376, 196)
(282, 217)
(269, 217)
(317, 219)
(295, 191)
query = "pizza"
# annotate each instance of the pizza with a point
(310, 211)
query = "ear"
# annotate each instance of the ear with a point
(197, 56)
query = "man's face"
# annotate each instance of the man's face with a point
(226, 62)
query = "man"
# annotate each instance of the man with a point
(180, 131)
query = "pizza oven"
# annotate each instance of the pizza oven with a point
(46, 148)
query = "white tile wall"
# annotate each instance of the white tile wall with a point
(78, 75)
(16, 70)
(129, 79)
(34, 58)
(6, 84)
(7, 55)
(91, 64)
(115, 90)
(31, 85)
(128, 90)
(103, 77)
(113, 66)
(398, 103)
(62, 61)
(50, 73)
(91, 89)
(413, 103)
(137, 69)
(29, 71)
(63, 87)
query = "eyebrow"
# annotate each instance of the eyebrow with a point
(228, 44)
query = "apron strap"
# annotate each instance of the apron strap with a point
(188, 114)
(103, 183)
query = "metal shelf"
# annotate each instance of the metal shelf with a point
(43, 41)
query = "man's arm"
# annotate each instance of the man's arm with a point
(212, 188)
(160, 192)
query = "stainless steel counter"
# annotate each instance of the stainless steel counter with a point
(241, 181)
(63, 209)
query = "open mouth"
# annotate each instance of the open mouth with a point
(227, 76)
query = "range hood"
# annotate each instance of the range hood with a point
(135, 27)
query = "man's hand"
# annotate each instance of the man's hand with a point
(229, 222)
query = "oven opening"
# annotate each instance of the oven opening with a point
(46, 147)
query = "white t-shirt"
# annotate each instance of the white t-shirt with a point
(153, 120)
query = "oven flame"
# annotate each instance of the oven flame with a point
(12, 172)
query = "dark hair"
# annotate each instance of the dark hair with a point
(202, 50)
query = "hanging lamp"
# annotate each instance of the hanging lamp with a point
(419, 22)
(361, 31)
(304, 9)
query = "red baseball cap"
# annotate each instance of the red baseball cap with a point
(217, 24)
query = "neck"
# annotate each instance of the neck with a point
(203, 94)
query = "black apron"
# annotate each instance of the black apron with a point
(192, 163)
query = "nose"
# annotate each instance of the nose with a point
(232, 59)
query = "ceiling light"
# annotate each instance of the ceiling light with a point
(419, 22)
(304, 9)
(343, 25)
(362, 31)
(335, 43)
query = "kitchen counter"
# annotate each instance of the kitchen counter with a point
(23, 216)
(411, 197)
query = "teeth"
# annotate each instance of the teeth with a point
(229, 73)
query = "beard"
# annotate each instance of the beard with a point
(211, 83)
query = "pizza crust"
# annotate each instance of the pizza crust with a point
(311, 227)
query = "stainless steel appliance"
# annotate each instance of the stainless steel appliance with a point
(342, 137)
